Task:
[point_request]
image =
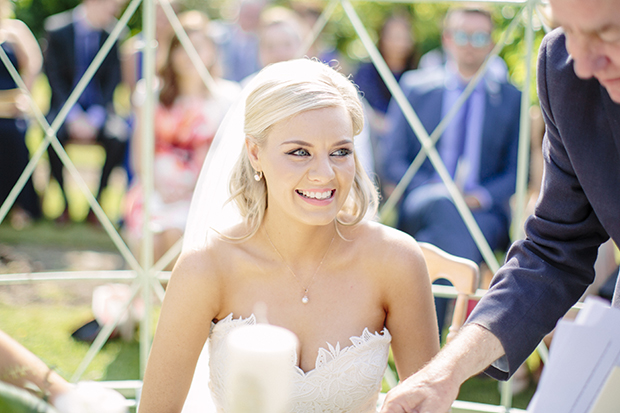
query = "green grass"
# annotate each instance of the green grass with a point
(76, 236)
(483, 389)
(46, 331)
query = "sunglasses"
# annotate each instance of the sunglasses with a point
(476, 39)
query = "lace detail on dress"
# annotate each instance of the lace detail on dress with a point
(345, 379)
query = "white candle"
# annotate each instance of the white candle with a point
(260, 368)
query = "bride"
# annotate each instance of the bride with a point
(348, 287)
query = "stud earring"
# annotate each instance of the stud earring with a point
(258, 175)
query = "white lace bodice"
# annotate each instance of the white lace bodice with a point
(345, 379)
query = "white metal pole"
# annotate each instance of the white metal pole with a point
(146, 163)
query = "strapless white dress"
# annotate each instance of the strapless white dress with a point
(345, 379)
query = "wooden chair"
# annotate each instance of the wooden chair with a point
(462, 273)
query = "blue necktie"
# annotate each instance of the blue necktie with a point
(89, 46)
(459, 138)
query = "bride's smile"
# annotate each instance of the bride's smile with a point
(308, 164)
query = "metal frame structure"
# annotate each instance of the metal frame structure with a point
(145, 276)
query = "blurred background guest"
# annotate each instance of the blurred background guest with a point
(238, 41)
(132, 58)
(279, 37)
(324, 46)
(478, 147)
(187, 116)
(397, 46)
(74, 37)
(20, 46)
(131, 51)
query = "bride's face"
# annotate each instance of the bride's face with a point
(308, 165)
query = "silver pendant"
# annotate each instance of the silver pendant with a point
(304, 299)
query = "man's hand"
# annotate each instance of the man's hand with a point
(80, 129)
(435, 387)
(430, 390)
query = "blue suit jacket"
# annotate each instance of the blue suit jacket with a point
(578, 209)
(499, 146)
(59, 64)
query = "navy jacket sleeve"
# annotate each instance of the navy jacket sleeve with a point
(547, 273)
(399, 145)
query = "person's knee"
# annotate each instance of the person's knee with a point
(419, 212)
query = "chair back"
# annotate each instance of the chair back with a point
(464, 275)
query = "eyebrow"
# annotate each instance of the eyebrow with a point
(304, 143)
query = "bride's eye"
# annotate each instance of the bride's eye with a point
(342, 152)
(299, 152)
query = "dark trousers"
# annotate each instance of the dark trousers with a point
(115, 148)
(14, 157)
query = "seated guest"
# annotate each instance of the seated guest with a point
(396, 45)
(478, 147)
(74, 38)
(22, 49)
(187, 116)
(279, 37)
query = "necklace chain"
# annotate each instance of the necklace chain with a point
(305, 298)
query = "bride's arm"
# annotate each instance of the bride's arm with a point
(411, 317)
(190, 304)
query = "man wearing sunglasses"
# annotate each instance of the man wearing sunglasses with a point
(478, 147)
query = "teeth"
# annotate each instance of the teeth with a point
(316, 195)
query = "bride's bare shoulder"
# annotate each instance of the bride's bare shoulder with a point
(387, 247)
(214, 257)
(376, 234)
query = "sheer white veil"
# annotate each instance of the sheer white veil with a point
(209, 208)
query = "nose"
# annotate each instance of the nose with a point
(587, 59)
(321, 170)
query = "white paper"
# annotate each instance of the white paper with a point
(582, 355)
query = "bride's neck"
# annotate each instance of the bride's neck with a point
(298, 242)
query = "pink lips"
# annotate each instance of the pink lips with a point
(610, 82)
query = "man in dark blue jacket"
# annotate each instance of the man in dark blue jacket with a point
(478, 147)
(74, 38)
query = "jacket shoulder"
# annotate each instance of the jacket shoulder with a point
(58, 21)
(423, 80)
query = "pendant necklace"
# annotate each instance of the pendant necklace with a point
(305, 298)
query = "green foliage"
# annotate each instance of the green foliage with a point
(34, 12)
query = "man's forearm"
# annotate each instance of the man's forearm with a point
(471, 351)
(436, 385)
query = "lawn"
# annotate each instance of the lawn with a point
(46, 331)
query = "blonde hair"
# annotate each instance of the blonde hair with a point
(281, 91)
